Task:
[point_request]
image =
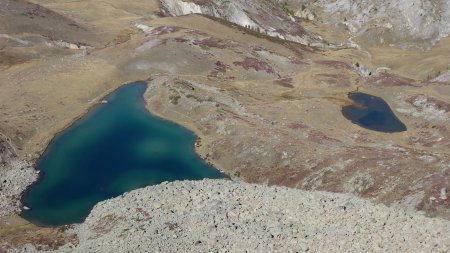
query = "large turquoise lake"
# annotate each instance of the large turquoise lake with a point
(115, 148)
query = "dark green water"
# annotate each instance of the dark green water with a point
(115, 148)
(372, 113)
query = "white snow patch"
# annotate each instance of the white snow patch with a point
(144, 28)
(6, 36)
(147, 46)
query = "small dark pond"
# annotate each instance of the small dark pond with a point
(115, 148)
(372, 113)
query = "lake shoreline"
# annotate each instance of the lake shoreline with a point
(95, 103)
(373, 113)
(60, 140)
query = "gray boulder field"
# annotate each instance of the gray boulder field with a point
(228, 216)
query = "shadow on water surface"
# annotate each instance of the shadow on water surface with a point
(116, 147)
(372, 113)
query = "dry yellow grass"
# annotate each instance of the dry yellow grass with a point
(414, 64)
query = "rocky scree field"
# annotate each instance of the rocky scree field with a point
(226, 216)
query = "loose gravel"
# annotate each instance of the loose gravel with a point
(227, 216)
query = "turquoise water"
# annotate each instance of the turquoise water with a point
(372, 113)
(115, 148)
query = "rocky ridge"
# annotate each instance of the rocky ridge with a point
(267, 17)
(409, 24)
(227, 216)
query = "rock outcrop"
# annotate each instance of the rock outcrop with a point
(227, 216)
(406, 23)
(15, 176)
(267, 17)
